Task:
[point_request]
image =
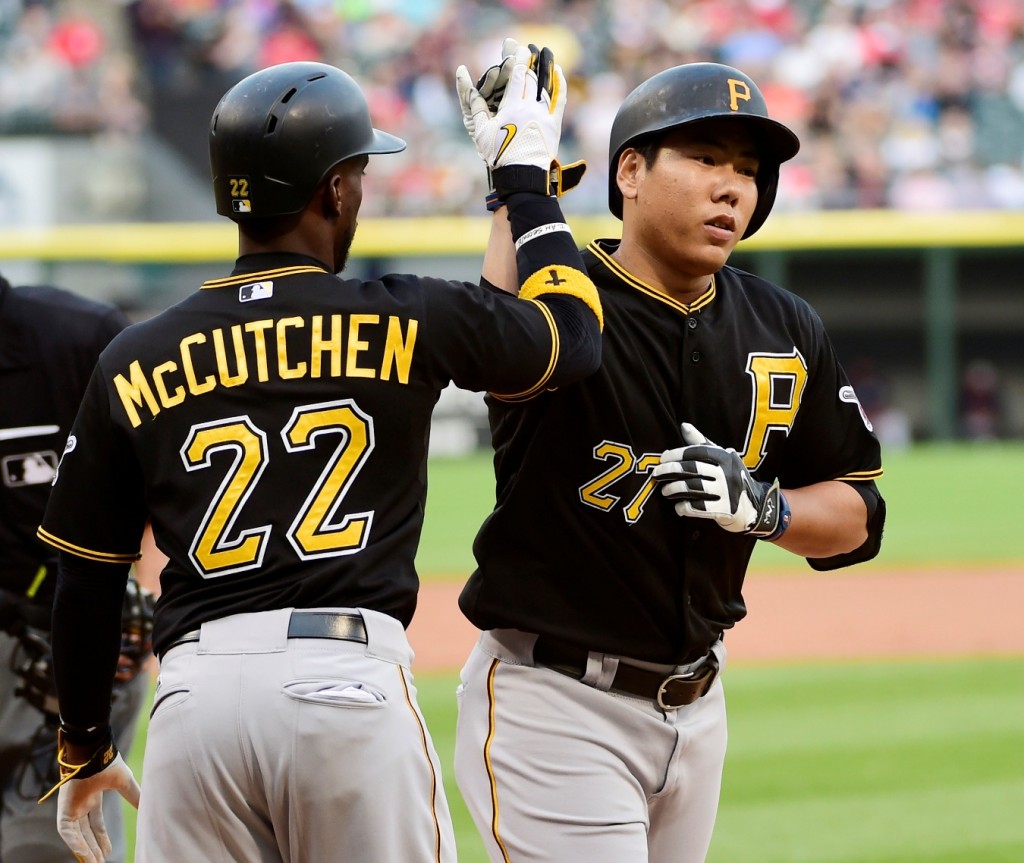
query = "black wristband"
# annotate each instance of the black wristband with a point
(493, 202)
(520, 178)
(79, 736)
(101, 758)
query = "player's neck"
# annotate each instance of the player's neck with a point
(661, 275)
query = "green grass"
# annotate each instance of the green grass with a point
(893, 762)
(874, 763)
(947, 504)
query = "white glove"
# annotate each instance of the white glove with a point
(79, 802)
(707, 481)
(527, 126)
(492, 83)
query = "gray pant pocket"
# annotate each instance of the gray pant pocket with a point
(342, 693)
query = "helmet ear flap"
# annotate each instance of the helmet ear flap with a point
(767, 187)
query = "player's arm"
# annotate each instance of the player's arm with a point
(827, 519)
(499, 268)
(87, 610)
(514, 117)
(832, 523)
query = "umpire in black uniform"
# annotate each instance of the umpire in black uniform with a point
(49, 342)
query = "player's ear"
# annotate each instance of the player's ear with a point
(331, 193)
(628, 175)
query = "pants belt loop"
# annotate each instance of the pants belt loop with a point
(601, 669)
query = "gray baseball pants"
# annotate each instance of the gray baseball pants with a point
(554, 770)
(265, 749)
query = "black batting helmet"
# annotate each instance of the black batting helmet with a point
(699, 91)
(276, 134)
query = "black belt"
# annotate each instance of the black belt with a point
(670, 692)
(340, 625)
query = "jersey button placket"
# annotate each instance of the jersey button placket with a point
(691, 324)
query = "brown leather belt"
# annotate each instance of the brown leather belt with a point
(340, 625)
(670, 692)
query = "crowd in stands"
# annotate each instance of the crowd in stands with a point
(905, 104)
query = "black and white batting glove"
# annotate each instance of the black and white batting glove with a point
(517, 128)
(493, 82)
(80, 798)
(708, 481)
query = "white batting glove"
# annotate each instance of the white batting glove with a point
(527, 126)
(79, 800)
(491, 85)
(707, 481)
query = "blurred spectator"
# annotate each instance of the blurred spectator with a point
(906, 104)
(891, 423)
(981, 407)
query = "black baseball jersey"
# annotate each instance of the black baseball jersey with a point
(274, 426)
(581, 544)
(50, 340)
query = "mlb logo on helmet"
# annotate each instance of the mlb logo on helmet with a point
(241, 206)
(255, 291)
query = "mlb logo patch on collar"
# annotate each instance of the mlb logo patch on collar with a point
(255, 291)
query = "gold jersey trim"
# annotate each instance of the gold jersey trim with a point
(703, 300)
(552, 360)
(87, 553)
(862, 475)
(555, 279)
(263, 275)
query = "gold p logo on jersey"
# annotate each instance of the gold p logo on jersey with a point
(738, 90)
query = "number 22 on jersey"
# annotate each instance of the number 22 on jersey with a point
(317, 531)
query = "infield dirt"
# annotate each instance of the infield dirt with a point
(899, 613)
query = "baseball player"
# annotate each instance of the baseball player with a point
(49, 342)
(592, 722)
(274, 426)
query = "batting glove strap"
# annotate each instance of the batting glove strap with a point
(100, 760)
(565, 178)
(561, 179)
(519, 178)
(776, 509)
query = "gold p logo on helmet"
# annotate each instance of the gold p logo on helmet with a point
(738, 90)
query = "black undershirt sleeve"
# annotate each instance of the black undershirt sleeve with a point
(579, 337)
(528, 212)
(86, 641)
(578, 325)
